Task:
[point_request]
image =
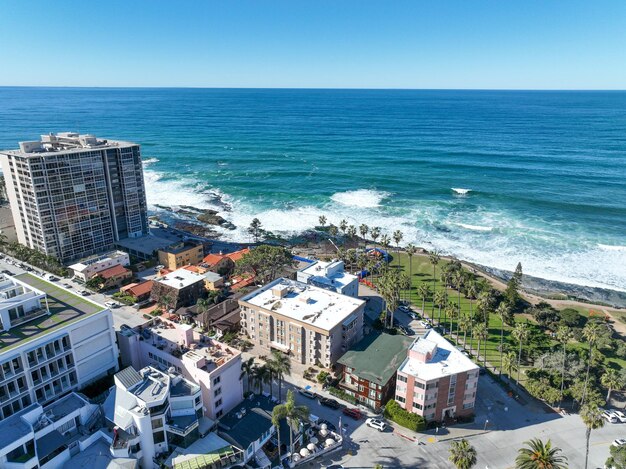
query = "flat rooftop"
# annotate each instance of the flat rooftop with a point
(87, 261)
(377, 357)
(98, 456)
(448, 360)
(180, 278)
(305, 303)
(154, 387)
(144, 244)
(65, 308)
(64, 142)
(328, 274)
(183, 246)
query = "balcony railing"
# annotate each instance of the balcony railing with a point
(34, 314)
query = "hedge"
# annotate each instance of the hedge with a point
(409, 420)
(341, 394)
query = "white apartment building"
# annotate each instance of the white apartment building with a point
(149, 411)
(87, 268)
(74, 195)
(330, 275)
(436, 380)
(53, 341)
(210, 364)
(310, 324)
(47, 437)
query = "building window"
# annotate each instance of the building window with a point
(420, 385)
(400, 399)
(219, 414)
(469, 405)
(218, 403)
(402, 379)
(417, 406)
(217, 380)
(217, 392)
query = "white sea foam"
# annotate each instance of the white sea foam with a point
(150, 161)
(461, 191)
(160, 191)
(607, 247)
(363, 198)
(475, 227)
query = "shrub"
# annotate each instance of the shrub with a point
(572, 318)
(409, 420)
(322, 377)
(341, 394)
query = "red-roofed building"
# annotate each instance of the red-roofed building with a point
(139, 291)
(224, 264)
(114, 276)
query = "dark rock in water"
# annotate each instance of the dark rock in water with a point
(197, 230)
(210, 217)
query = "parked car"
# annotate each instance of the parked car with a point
(609, 416)
(620, 415)
(377, 424)
(425, 324)
(50, 277)
(619, 442)
(7, 272)
(413, 315)
(112, 304)
(352, 412)
(158, 267)
(83, 292)
(307, 393)
(333, 404)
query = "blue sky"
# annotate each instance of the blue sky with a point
(523, 44)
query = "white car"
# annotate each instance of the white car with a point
(412, 315)
(377, 424)
(425, 325)
(609, 416)
(619, 442)
(620, 415)
(111, 304)
(50, 277)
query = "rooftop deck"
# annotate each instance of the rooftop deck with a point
(65, 308)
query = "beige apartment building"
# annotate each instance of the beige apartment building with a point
(310, 324)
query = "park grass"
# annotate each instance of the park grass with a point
(422, 272)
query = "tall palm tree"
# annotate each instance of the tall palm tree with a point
(295, 415)
(375, 233)
(592, 418)
(332, 230)
(520, 333)
(451, 314)
(322, 220)
(351, 231)
(610, 379)
(278, 414)
(423, 292)
(591, 333)
(508, 363)
(363, 230)
(470, 294)
(410, 252)
(397, 237)
(465, 323)
(281, 366)
(434, 259)
(458, 279)
(540, 455)
(385, 241)
(440, 299)
(563, 335)
(261, 375)
(502, 311)
(480, 331)
(247, 368)
(462, 454)
(343, 226)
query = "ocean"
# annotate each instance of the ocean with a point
(492, 177)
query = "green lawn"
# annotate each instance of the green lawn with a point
(422, 272)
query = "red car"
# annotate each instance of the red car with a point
(354, 413)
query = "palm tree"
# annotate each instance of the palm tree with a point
(332, 230)
(464, 325)
(385, 241)
(343, 226)
(410, 252)
(397, 237)
(502, 311)
(295, 415)
(261, 375)
(363, 230)
(470, 293)
(462, 454)
(592, 418)
(610, 379)
(520, 333)
(458, 278)
(278, 413)
(247, 368)
(434, 259)
(540, 455)
(480, 331)
(322, 220)
(440, 299)
(375, 233)
(351, 232)
(451, 314)
(591, 332)
(424, 292)
(281, 366)
(563, 335)
(508, 363)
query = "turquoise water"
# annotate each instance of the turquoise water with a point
(544, 172)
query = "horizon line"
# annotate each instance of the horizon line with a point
(310, 88)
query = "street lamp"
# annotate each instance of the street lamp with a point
(486, 423)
